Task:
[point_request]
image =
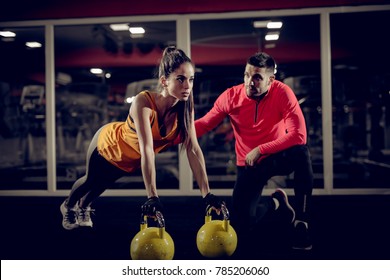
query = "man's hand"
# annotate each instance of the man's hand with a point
(252, 157)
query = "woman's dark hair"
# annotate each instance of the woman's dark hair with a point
(171, 60)
(262, 60)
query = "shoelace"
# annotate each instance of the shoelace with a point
(71, 216)
(85, 213)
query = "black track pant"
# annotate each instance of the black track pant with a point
(251, 181)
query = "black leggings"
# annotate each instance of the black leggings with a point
(100, 176)
(251, 181)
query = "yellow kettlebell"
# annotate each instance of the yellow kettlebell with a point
(216, 238)
(152, 243)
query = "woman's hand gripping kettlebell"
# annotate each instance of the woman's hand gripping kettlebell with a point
(213, 201)
(151, 206)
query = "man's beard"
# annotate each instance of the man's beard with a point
(252, 91)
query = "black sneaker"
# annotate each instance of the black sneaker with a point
(301, 237)
(284, 207)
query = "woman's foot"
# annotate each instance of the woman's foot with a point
(69, 216)
(84, 216)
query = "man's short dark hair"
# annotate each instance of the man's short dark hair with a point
(262, 60)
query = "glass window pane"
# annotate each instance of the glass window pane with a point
(87, 99)
(361, 100)
(22, 109)
(220, 48)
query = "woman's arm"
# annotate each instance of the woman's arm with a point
(141, 112)
(197, 162)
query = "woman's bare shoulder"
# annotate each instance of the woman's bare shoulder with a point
(142, 99)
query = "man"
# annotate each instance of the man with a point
(270, 134)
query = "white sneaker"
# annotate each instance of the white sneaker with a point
(69, 216)
(84, 216)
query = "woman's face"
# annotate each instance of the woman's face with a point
(180, 83)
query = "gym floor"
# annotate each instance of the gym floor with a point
(343, 227)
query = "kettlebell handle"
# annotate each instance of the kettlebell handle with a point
(158, 216)
(225, 211)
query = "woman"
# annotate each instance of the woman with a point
(155, 122)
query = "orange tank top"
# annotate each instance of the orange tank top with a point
(118, 141)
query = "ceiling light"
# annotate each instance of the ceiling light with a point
(96, 71)
(33, 44)
(119, 27)
(274, 24)
(272, 36)
(267, 24)
(7, 34)
(137, 30)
